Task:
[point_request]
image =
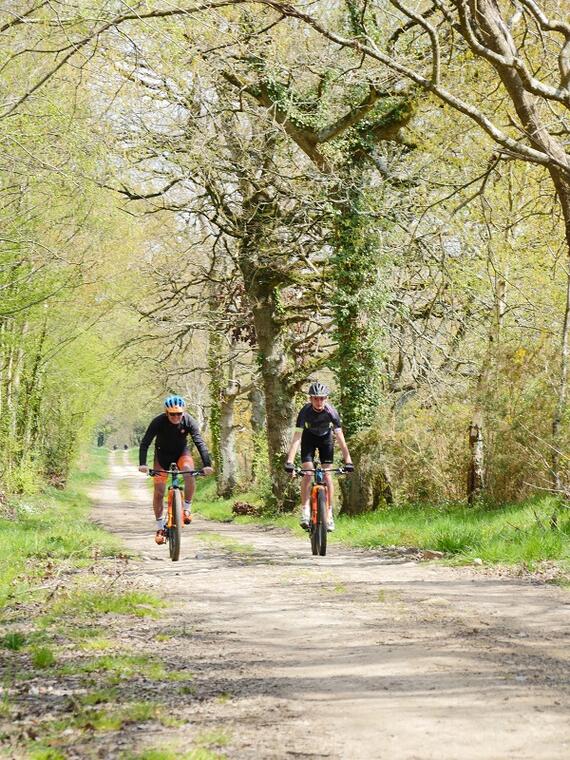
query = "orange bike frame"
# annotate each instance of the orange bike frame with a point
(314, 501)
(169, 513)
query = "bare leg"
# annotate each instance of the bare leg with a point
(189, 486)
(306, 485)
(158, 498)
(189, 480)
(329, 481)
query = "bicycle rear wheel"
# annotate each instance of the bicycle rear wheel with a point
(319, 530)
(175, 528)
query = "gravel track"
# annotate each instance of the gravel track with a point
(354, 655)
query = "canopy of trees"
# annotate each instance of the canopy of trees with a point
(229, 199)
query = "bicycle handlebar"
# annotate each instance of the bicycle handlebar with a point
(301, 471)
(152, 471)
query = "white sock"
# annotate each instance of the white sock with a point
(188, 505)
(160, 523)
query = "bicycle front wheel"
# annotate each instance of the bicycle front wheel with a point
(175, 528)
(319, 529)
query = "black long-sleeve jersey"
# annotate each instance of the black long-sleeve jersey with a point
(172, 440)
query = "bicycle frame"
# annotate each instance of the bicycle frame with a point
(319, 506)
(174, 522)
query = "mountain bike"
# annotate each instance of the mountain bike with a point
(320, 503)
(174, 515)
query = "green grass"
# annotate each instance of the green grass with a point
(67, 631)
(43, 657)
(174, 753)
(5, 708)
(97, 644)
(99, 696)
(225, 543)
(14, 641)
(80, 603)
(516, 533)
(115, 717)
(45, 753)
(118, 667)
(208, 505)
(207, 746)
(156, 754)
(504, 534)
(42, 529)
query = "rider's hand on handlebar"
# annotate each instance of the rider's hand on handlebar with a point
(290, 467)
(207, 470)
(349, 467)
(143, 468)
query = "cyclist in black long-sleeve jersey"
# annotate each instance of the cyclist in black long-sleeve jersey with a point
(170, 432)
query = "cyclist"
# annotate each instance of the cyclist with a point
(318, 423)
(171, 430)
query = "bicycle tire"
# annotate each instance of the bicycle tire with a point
(319, 529)
(313, 524)
(314, 540)
(175, 528)
(322, 521)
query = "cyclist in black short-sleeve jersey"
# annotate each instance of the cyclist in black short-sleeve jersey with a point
(318, 424)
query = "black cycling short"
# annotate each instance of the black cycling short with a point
(311, 443)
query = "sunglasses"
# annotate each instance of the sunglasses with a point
(174, 414)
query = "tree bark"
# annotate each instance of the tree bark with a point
(357, 333)
(262, 283)
(224, 389)
(228, 479)
(257, 403)
(476, 478)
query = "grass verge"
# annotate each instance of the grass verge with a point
(71, 674)
(39, 532)
(507, 534)
(510, 534)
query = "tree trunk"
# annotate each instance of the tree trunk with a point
(258, 418)
(369, 486)
(358, 363)
(224, 390)
(214, 361)
(357, 332)
(228, 477)
(557, 484)
(476, 478)
(262, 284)
(27, 424)
(279, 400)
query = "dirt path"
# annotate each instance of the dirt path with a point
(354, 655)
